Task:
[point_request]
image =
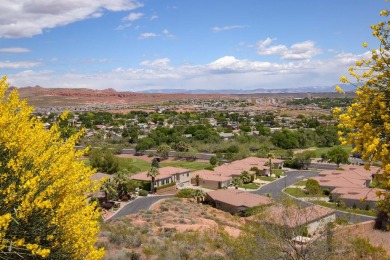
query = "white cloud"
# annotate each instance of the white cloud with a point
(298, 51)
(160, 63)
(18, 64)
(147, 35)
(153, 17)
(222, 73)
(227, 28)
(26, 18)
(133, 17)
(167, 34)
(14, 50)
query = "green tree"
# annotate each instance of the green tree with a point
(155, 163)
(104, 160)
(338, 155)
(246, 177)
(163, 150)
(120, 179)
(213, 160)
(236, 181)
(313, 187)
(199, 195)
(153, 173)
(44, 211)
(109, 188)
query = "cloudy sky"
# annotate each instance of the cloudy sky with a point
(134, 45)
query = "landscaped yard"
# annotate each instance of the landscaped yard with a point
(301, 183)
(191, 165)
(371, 213)
(251, 186)
(266, 178)
(323, 150)
(133, 165)
(298, 192)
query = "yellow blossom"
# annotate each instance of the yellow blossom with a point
(340, 90)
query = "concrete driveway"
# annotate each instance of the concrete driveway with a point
(275, 188)
(141, 203)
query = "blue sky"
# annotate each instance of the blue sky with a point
(183, 44)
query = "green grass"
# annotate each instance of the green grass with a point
(297, 192)
(193, 166)
(371, 213)
(266, 178)
(278, 172)
(322, 150)
(251, 186)
(301, 183)
(133, 165)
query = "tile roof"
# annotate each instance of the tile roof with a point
(210, 175)
(369, 194)
(165, 172)
(239, 198)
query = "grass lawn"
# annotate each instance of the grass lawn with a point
(322, 150)
(301, 183)
(252, 186)
(193, 166)
(133, 165)
(266, 178)
(371, 213)
(278, 172)
(297, 192)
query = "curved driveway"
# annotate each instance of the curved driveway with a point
(141, 203)
(275, 188)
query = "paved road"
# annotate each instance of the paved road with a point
(138, 204)
(323, 166)
(275, 188)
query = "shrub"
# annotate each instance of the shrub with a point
(143, 193)
(313, 187)
(185, 193)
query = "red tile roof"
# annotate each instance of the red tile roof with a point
(367, 194)
(165, 172)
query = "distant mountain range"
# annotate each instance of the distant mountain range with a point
(325, 89)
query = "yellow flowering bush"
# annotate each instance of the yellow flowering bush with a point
(366, 123)
(44, 212)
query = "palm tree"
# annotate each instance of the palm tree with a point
(236, 182)
(245, 176)
(199, 195)
(108, 187)
(120, 179)
(197, 180)
(270, 156)
(152, 173)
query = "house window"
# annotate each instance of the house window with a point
(162, 182)
(188, 174)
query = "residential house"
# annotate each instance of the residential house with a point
(210, 179)
(351, 185)
(167, 175)
(226, 136)
(363, 198)
(235, 201)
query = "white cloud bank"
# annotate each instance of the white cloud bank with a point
(26, 18)
(298, 51)
(223, 73)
